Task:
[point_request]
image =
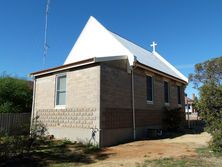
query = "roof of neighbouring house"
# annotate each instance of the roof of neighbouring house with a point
(95, 41)
(188, 100)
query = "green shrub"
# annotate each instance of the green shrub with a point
(172, 118)
(15, 94)
(208, 80)
(90, 148)
(15, 145)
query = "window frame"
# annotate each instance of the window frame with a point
(168, 89)
(148, 101)
(179, 100)
(60, 106)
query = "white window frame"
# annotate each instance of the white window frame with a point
(56, 83)
(148, 101)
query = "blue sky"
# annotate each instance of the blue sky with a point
(187, 31)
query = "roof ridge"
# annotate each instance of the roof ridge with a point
(129, 40)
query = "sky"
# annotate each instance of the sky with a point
(187, 31)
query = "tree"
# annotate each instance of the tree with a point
(15, 94)
(208, 79)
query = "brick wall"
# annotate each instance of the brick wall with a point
(72, 118)
(116, 98)
(82, 103)
(100, 96)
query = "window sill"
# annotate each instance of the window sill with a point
(179, 105)
(60, 107)
(149, 102)
(167, 104)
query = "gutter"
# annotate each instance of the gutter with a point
(138, 64)
(77, 64)
(63, 67)
(33, 104)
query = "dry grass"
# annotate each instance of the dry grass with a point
(179, 151)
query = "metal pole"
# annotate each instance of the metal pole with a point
(188, 117)
(45, 33)
(133, 105)
(33, 104)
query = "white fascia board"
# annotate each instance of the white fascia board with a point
(171, 66)
(110, 58)
(61, 69)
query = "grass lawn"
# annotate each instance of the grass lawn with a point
(205, 158)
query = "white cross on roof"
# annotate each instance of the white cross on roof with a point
(153, 45)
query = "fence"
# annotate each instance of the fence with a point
(11, 122)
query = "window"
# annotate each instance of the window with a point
(149, 87)
(178, 95)
(61, 90)
(166, 92)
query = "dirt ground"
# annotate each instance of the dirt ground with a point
(135, 152)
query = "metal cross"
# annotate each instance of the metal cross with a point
(153, 45)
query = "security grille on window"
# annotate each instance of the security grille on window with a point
(149, 86)
(61, 90)
(166, 92)
(178, 95)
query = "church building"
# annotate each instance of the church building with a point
(108, 91)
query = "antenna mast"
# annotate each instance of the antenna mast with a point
(46, 46)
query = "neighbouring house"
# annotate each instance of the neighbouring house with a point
(189, 104)
(108, 91)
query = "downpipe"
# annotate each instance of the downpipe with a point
(133, 102)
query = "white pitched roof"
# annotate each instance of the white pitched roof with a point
(95, 41)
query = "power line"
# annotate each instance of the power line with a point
(46, 46)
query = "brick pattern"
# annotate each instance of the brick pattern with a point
(45, 92)
(83, 89)
(122, 118)
(115, 87)
(71, 118)
(117, 118)
(82, 99)
(148, 118)
(116, 97)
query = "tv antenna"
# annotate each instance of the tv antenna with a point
(46, 46)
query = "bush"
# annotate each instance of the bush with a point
(90, 148)
(208, 80)
(17, 145)
(210, 104)
(172, 118)
(13, 145)
(15, 94)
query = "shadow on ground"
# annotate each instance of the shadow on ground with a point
(63, 152)
(196, 127)
(56, 153)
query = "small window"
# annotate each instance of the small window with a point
(166, 92)
(61, 90)
(149, 87)
(178, 95)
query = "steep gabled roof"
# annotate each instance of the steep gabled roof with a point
(97, 41)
